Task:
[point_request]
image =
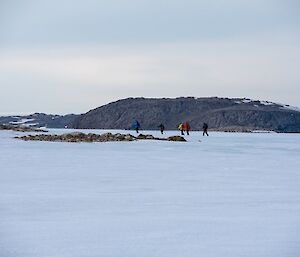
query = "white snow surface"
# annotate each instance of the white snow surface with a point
(267, 103)
(283, 106)
(247, 101)
(244, 101)
(230, 195)
(292, 108)
(21, 121)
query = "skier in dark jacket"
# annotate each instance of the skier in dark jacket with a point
(205, 127)
(136, 125)
(162, 128)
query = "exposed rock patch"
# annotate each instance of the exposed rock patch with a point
(21, 128)
(79, 137)
(176, 138)
(107, 137)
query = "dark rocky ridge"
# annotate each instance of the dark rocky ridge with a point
(237, 114)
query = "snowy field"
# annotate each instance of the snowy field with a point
(230, 195)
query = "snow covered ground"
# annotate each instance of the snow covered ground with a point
(230, 195)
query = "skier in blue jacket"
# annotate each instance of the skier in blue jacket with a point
(136, 125)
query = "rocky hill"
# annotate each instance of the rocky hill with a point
(224, 114)
(235, 114)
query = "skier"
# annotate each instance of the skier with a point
(186, 126)
(162, 128)
(205, 127)
(136, 125)
(180, 127)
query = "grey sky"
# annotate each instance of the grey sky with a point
(64, 56)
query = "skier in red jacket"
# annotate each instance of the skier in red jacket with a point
(186, 127)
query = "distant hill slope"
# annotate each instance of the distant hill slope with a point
(40, 120)
(237, 114)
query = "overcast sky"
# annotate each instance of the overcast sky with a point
(68, 56)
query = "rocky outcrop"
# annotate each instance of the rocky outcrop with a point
(91, 137)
